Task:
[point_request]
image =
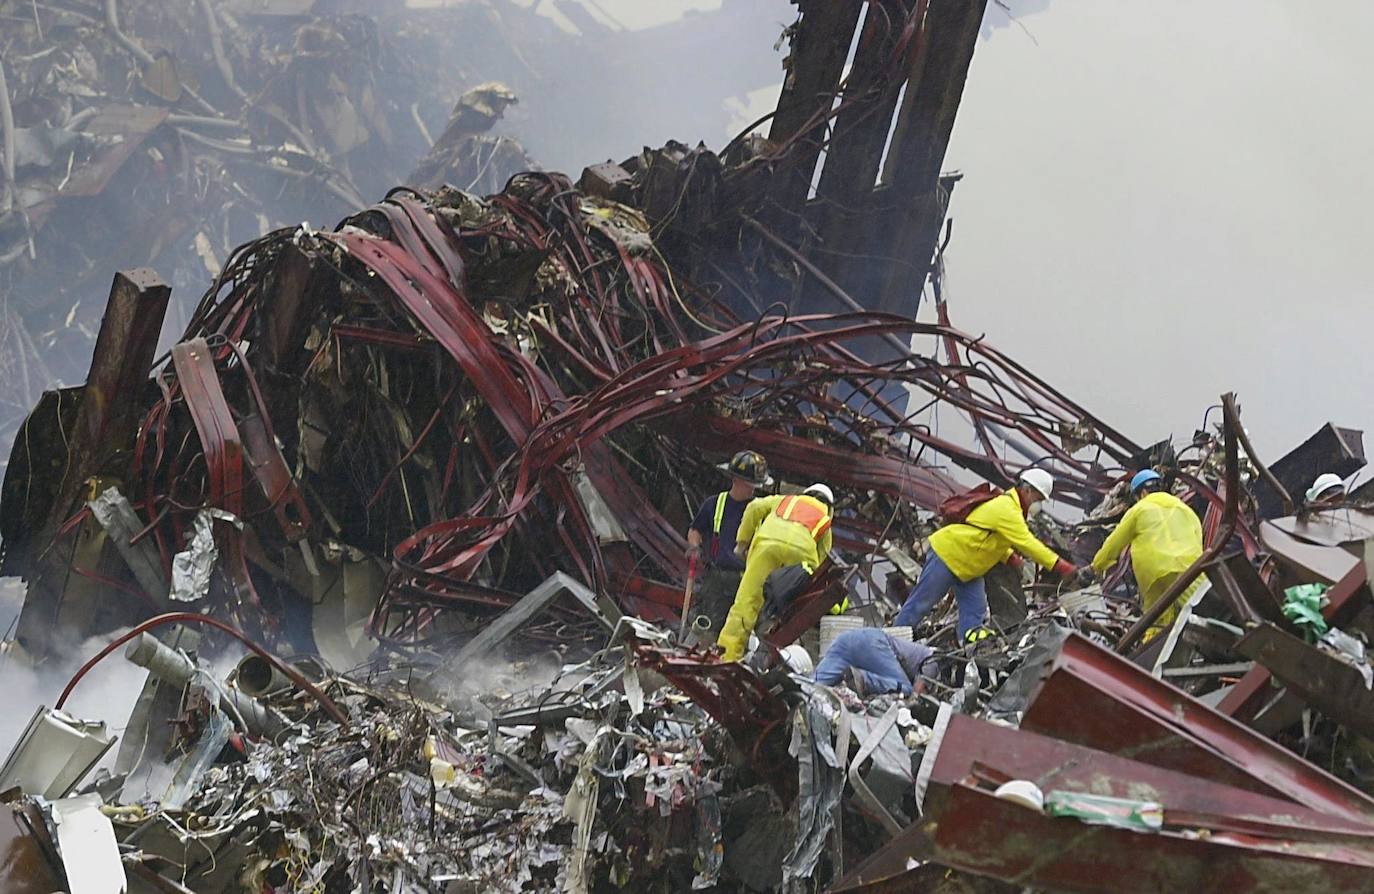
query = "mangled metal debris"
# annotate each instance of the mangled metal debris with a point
(443, 454)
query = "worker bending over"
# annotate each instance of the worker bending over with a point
(775, 532)
(961, 553)
(1165, 538)
(877, 661)
(713, 535)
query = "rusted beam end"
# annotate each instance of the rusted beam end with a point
(106, 420)
(919, 141)
(124, 351)
(283, 318)
(820, 45)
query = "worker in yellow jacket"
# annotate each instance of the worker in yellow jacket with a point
(1165, 538)
(961, 553)
(774, 533)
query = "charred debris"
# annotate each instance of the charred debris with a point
(441, 455)
(165, 134)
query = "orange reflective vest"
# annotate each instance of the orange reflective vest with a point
(807, 511)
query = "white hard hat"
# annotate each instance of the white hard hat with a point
(822, 492)
(1325, 481)
(798, 659)
(1023, 792)
(1040, 480)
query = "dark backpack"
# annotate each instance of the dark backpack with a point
(954, 510)
(783, 586)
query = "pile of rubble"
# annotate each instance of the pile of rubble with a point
(461, 430)
(1041, 759)
(170, 133)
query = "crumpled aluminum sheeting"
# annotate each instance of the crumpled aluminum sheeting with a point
(1350, 650)
(418, 796)
(193, 567)
(821, 784)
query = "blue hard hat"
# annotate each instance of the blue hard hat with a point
(1143, 478)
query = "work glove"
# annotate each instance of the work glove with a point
(1085, 576)
(1065, 569)
(1014, 561)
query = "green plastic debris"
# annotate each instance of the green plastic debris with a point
(1100, 810)
(1303, 606)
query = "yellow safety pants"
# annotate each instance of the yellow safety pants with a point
(765, 557)
(1157, 588)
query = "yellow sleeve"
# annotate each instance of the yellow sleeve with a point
(1006, 520)
(1118, 540)
(754, 514)
(823, 545)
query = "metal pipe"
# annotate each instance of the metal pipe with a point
(258, 678)
(142, 55)
(175, 669)
(1229, 516)
(11, 191)
(226, 71)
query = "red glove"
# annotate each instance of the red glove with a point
(1064, 569)
(1015, 561)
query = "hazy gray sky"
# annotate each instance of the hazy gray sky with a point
(1164, 201)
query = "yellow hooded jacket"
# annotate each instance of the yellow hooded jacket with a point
(1164, 535)
(761, 520)
(773, 542)
(987, 537)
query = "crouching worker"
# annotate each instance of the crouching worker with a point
(962, 552)
(877, 662)
(775, 532)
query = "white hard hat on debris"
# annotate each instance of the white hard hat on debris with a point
(1038, 479)
(1326, 481)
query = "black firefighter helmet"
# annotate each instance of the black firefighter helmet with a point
(750, 466)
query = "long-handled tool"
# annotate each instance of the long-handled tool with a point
(687, 599)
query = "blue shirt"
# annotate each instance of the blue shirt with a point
(917, 659)
(720, 549)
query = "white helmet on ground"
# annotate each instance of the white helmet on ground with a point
(1325, 482)
(1039, 480)
(821, 492)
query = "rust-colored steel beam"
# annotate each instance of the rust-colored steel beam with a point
(1093, 697)
(106, 421)
(978, 753)
(981, 833)
(820, 46)
(1332, 686)
(905, 224)
(1249, 695)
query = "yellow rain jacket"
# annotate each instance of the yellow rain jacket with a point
(987, 537)
(1165, 538)
(779, 531)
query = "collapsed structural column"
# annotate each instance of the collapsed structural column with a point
(106, 422)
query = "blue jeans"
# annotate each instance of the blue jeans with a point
(935, 581)
(869, 652)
